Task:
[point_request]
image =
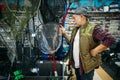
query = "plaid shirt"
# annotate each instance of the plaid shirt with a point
(101, 35)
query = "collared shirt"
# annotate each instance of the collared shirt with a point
(101, 35)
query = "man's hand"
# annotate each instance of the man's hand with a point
(62, 29)
(98, 50)
(94, 52)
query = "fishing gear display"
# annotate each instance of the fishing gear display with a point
(35, 42)
(37, 38)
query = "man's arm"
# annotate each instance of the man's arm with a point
(106, 40)
(98, 49)
(62, 30)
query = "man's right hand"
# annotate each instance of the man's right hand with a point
(62, 29)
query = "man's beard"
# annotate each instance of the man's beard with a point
(75, 25)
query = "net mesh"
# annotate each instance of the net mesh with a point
(51, 38)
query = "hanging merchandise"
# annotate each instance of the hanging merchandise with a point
(44, 45)
(14, 23)
(50, 42)
(15, 20)
(52, 10)
(51, 38)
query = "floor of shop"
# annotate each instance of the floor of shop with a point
(101, 74)
(112, 70)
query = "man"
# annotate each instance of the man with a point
(86, 43)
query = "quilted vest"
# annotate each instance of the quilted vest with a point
(86, 45)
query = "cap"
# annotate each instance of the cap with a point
(80, 11)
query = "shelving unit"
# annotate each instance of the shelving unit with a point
(109, 21)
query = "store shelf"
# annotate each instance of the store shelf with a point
(100, 13)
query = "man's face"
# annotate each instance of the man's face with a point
(77, 19)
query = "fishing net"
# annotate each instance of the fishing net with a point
(18, 13)
(15, 17)
(51, 38)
